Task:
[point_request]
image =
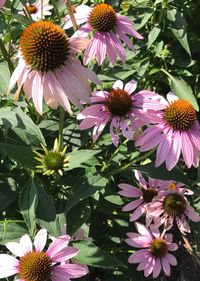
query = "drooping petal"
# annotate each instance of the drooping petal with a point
(40, 240)
(8, 266)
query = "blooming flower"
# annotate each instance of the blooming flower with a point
(155, 255)
(144, 195)
(109, 29)
(53, 161)
(37, 11)
(48, 68)
(33, 263)
(115, 105)
(172, 205)
(174, 129)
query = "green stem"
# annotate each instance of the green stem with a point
(6, 56)
(112, 156)
(56, 10)
(11, 221)
(42, 9)
(71, 14)
(139, 159)
(61, 126)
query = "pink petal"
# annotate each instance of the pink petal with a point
(132, 205)
(171, 259)
(173, 157)
(143, 230)
(190, 212)
(157, 268)
(57, 245)
(138, 256)
(14, 247)
(129, 190)
(137, 213)
(166, 266)
(65, 254)
(187, 149)
(130, 86)
(118, 85)
(40, 240)
(70, 270)
(8, 266)
(172, 247)
(138, 241)
(171, 97)
(37, 91)
(25, 244)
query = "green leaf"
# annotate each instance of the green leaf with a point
(80, 156)
(22, 124)
(85, 186)
(153, 35)
(11, 232)
(22, 154)
(178, 27)
(181, 89)
(28, 203)
(91, 255)
(4, 78)
(77, 216)
(7, 196)
(46, 212)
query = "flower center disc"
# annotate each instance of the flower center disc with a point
(32, 9)
(180, 115)
(44, 46)
(54, 160)
(149, 194)
(35, 266)
(119, 102)
(102, 18)
(159, 247)
(174, 204)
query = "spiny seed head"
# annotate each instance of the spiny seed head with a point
(32, 9)
(149, 194)
(35, 266)
(119, 102)
(180, 115)
(103, 18)
(54, 160)
(44, 46)
(159, 247)
(174, 204)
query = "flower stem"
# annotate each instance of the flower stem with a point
(41, 9)
(134, 161)
(71, 14)
(56, 10)
(6, 56)
(61, 126)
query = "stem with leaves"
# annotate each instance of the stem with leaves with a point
(61, 126)
(6, 56)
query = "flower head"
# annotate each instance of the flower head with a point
(144, 195)
(49, 69)
(174, 130)
(36, 10)
(36, 264)
(115, 106)
(172, 205)
(109, 30)
(53, 161)
(156, 253)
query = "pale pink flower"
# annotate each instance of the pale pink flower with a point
(35, 263)
(2, 2)
(155, 256)
(174, 130)
(172, 205)
(36, 10)
(108, 30)
(143, 195)
(115, 106)
(49, 69)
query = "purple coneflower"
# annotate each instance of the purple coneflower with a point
(172, 205)
(174, 130)
(37, 11)
(115, 105)
(143, 194)
(108, 28)
(155, 256)
(33, 263)
(49, 69)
